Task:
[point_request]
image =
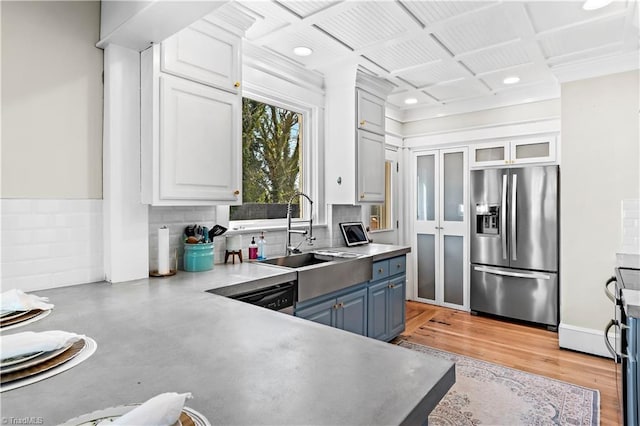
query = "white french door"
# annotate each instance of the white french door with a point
(440, 237)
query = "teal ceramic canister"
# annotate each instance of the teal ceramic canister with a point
(198, 257)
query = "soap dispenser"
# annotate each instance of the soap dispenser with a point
(261, 247)
(253, 249)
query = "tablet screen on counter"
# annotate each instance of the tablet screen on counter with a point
(354, 233)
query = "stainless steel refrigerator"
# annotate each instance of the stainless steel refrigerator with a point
(514, 243)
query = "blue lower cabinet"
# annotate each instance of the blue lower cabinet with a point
(633, 372)
(321, 312)
(344, 310)
(375, 309)
(387, 308)
(351, 314)
(397, 297)
(378, 309)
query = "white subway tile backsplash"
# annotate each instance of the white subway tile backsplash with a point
(176, 219)
(51, 243)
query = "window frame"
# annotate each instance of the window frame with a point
(312, 160)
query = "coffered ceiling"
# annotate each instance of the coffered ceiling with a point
(453, 55)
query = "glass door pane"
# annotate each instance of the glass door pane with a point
(425, 186)
(426, 258)
(453, 186)
(453, 269)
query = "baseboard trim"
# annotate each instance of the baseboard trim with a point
(583, 339)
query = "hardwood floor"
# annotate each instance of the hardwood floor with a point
(526, 348)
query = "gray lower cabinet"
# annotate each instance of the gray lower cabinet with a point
(346, 310)
(387, 294)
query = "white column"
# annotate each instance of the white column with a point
(126, 219)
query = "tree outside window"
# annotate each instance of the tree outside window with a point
(271, 161)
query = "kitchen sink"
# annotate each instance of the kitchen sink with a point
(298, 260)
(323, 271)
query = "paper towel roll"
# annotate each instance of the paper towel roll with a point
(163, 250)
(234, 242)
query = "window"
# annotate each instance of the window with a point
(272, 161)
(378, 216)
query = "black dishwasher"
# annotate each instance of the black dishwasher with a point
(279, 297)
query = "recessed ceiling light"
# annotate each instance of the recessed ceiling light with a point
(302, 51)
(411, 101)
(595, 4)
(511, 80)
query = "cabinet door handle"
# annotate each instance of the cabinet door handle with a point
(236, 192)
(362, 195)
(363, 122)
(380, 270)
(236, 84)
(398, 265)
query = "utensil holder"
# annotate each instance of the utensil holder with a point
(198, 257)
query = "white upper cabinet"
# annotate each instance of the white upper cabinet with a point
(370, 112)
(533, 150)
(191, 133)
(518, 151)
(197, 124)
(204, 53)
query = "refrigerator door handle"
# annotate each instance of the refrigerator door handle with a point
(503, 217)
(514, 218)
(532, 275)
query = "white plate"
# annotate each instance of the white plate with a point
(42, 357)
(18, 359)
(13, 314)
(110, 414)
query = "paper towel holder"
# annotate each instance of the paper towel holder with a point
(172, 271)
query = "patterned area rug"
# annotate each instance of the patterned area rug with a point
(490, 394)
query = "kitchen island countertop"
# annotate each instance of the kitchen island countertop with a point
(244, 365)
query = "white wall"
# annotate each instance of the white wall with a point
(600, 159)
(51, 207)
(51, 100)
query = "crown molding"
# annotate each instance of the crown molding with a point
(277, 65)
(612, 64)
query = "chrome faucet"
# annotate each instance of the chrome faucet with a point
(289, 249)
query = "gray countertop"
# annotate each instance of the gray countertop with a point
(244, 365)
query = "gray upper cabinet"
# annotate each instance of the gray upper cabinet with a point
(370, 176)
(370, 112)
(354, 142)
